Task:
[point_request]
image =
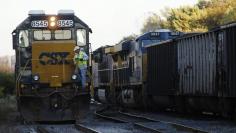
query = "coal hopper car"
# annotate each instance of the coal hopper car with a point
(194, 73)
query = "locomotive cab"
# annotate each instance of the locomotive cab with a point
(47, 87)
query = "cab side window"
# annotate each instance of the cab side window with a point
(81, 37)
(24, 38)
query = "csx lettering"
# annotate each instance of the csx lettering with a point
(53, 58)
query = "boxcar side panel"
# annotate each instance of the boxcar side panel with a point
(162, 69)
(196, 58)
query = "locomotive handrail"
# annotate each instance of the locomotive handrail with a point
(19, 77)
(104, 69)
(120, 68)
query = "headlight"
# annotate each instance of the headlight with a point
(52, 18)
(74, 77)
(36, 77)
(52, 24)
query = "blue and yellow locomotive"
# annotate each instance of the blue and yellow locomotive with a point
(47, 88)
(121, 70)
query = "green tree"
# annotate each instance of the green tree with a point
(130, 37)
(205, 15)
(187, 19)
(230, 12)
(219, 12)
(153, 23)
(7, 83)
(202, 4)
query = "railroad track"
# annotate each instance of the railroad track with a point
(74, 128)
(145, 123)
(85, 129)
(79, 127)
(41, 129)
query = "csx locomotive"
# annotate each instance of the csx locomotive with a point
(120, 71)
(47, 88)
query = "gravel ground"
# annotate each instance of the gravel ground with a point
(8, 115)
(61, 128)
(51, 128)
(106, 126)
(210, 124)
(163, 127)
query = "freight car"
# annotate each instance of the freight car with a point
(121, 70)
(47, 88)
(194, 73)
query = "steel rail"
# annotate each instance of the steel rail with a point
(140, 126)
(177, 126)
(143, 127)
(173, 124)
(41, 129)
(85, 129)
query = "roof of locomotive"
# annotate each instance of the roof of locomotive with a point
(184, 35)
(187, 35)
(39, 14)
(101, 49)
(154, 35)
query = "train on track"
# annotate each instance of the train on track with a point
(47, 88)
(168, 70)
(119, 71)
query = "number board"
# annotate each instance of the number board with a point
(39, 23)
(176, 33)
(155, 34)
(65, 23)
(45, 23)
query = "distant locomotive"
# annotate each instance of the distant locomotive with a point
(47, 88)
(120, 70)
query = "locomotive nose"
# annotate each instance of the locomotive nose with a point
(53, 62)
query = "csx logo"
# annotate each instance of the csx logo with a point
(53, 58)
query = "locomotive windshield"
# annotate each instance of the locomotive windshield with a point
(147, 42)
(52, 35)
(42, 35)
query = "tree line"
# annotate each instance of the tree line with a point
(7, 83)
(203, 16)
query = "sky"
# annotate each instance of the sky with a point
(110, 20)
